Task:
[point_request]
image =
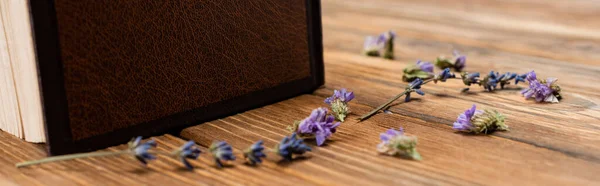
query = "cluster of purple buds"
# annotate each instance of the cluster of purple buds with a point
(254, 153)
(543, 90)
(221, 151)
(140, 150)
(491, 81)
(319, 126)
(291, 145)
(189, 150)
(384, 43)
(458, 63)
(443, 76)
(414, 86)
(339, 103)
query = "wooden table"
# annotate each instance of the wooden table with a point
(548, 144)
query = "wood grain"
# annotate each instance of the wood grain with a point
(548, 144)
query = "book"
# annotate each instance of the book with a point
(85, 75)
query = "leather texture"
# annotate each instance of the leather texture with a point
(134, 61)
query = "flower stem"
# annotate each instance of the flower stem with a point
(374, 111)
(70, 157)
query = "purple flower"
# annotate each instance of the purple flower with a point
(520, 78)
(479, 121)
(491, 81)
(546, 91)
(342, 95)
(425, 66)
(318, 124)
(290, 145)
(470, 78)
(460, 61)
(140, 150)
(463, 123)
(254, 153)
(188, 151)
(221, 152)
(394, 142)
(443, 76)
(414, 86)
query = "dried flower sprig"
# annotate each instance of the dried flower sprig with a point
(291, 145)
(384, 43)
(394, 142)
(221, 151)
(543, 90)
(136, 149)
(254, 153)
(319, 126)
(480, 121)
(339, 103)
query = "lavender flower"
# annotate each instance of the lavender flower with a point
(140, 150)
(254, 153)
(318, 125)
(443, 76)
(339, 103)
(291, 145)
(221, 152)
(414, 86)
(542, 90)
(394, 142)
(388, 52)
(480, 121)
(490, 82)
(374, 45)
(423, 70)
(520, 78)
(458, 63)
(189, 150)
(470, 78)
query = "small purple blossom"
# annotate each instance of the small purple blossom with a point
(541, 91)
(470, 78)
(520, 78)
(221, 152)
(319, 124)
(463, 123)
(425, 66)
(291, 145)
(491, 81)
(254, 153)
(460, 61)
(394, 142)
(342, 95)
(189, 150)
(479, 121)
(414, 86)
(443, 76)
(140, 150)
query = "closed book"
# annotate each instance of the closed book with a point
(108, 70)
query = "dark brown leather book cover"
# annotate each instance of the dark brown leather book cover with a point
(111, 70)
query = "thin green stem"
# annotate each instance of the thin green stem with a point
(374, 111)
(70, 157)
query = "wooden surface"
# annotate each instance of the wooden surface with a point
(548, 144)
